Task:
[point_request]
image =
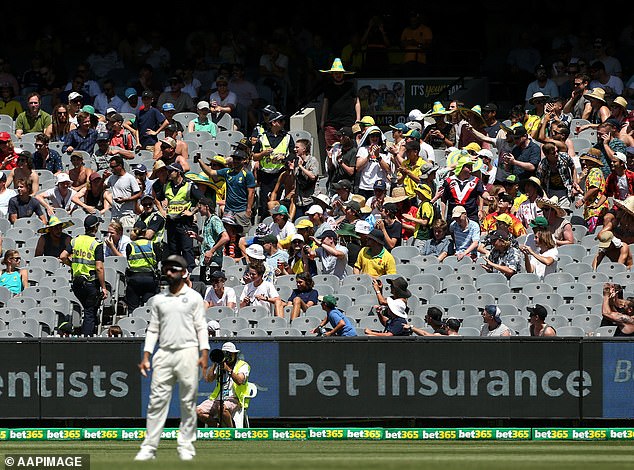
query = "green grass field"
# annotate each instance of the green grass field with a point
(349, 454)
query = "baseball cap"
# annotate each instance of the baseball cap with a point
(315, 209)
(499, 235)
(202, 105)
(380, 184)
(328, 233)
(110, 111)
(218, 275)
(366, 121)
(415, 115)
(620, 156)
(279, 210)
(363, 227)
(168, 107)
(95, 176)
(458, 211)
(140, 225)
(270, 238)
(538, 310)
(539, 222)
(147, 94)
(62, 178)
(353, 205)
(494, 312)
(262, 229)
(347, 131)
(103, 136)
(73, 95)
(304, 223)
(213, 327)
(255, 251)
(239, 155)
(140, 168)
(328, 300)
(5, 136)
(343, 184)
(297, 236)
(400, 127)
(130, 92)
(169, 141)
(230, 347)
(175, 260)
(490, 107)
(175, 167)
(413, 133)
(116, 117)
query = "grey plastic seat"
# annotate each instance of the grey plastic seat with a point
(577, 269)
(472, 269)
(285, 292)
(575, 250)
(8, 333)
(46, 316)
(422, 291)
(556, 279)
(427, 278)
(277, 332)
(458, 278)
(7, 313)
(536, 288)
(367, 299)
(552, 299)
(271, 323)
(404, 253)
(37, 292)
(590, 300)
(496, 289)
(479, 299)
(469, 331)
(571, 310)
(490, 278)
(252, 332)
(569, 289)
(588, 322)
(557, 321)
(446, 300)
(518, 299)
(53, 282)
(327, 279)
(461, 289)
(611, 269)
(372, 323)
(519, 280)
(27, 325)
(306, 323)
(133, 324)
(605, 331)
(352, 290)
(22, 303)
(424, 260)
(358, 279)
(509, 309)
(344, 301)
(142, 312)
(515, 322)
(234, 324)
(408, 270)
(571, 331)
(464, 310)
(440, 270)
(359, 311)
(473, 321)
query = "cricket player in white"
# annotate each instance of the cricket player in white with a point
(178, 323)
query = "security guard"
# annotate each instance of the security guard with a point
(180, 197)
(86, 262)
(270, 151)
(142, 278)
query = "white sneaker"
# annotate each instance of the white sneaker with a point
(186, 454)
(145, 454)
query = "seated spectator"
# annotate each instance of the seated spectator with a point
(303, 296)
(45, 158)
(58, 197)
(391, 310)
(282, 227)
(451, 327)
(115, 242)
(493, 325)
(8, 155)
(25, 170)
(537, 318)
(276, 258)
(13, 277)
(374, 259)
(333, 255)
(612, 248)
(504, 257)
(434, 320)
(300, 257)
(504, 204)
(558, 220)
(441, 244)
(260, 292)
(390, 226)
(465, 233)
(115, 331)
(540, 250)
(53, 240)
(350, 238)
(340, 324)
(79, 173)
(219, 294)
(91, 197)
(203, 122)
(23, 204)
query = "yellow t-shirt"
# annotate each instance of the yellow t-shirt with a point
(375, 266)
(409, 183)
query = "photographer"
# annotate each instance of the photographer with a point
(340, 323)
(301, 259)
(233, 372)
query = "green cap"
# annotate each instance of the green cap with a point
(347, 230)
(329, 300)
(540, 222)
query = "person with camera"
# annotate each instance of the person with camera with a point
(231, 374)
(392, 310)
(340, 324)
(301, 259)
(177, 324)
(212, 240)
(617, 311)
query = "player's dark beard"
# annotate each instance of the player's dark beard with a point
(174, 281)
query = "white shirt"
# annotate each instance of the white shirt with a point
(4, 201)
(285, 232)
(372, 171)
(502, 328)
(266, 288)
(56, 200)
(331, 264)
(123, 186)
(178, 320)
(540, 268)
(228, 296)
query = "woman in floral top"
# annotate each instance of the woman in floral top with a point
(594, 201)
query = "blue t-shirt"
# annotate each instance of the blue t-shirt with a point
(146, 119)
(305, 295)
(236, 188)
(335, 316)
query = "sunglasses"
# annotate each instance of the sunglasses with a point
(174, 269)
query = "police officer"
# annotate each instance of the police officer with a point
(180, 197)
(154, 225)
(271, 149)
(142, 279)
(86, 261)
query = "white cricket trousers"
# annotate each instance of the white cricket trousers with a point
(170, 367)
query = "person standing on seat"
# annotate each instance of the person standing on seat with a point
(142, 278)
(177, 324)
(89, 284)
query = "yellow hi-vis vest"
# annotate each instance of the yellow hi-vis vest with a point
(267, 164)
(83, 256)
(142, 257)
(239, 391)
(179, 202)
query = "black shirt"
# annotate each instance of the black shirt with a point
(341, 104)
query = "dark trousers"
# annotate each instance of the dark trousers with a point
(139, 288)
(178, 242)
(267, 183)
(89, 295)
